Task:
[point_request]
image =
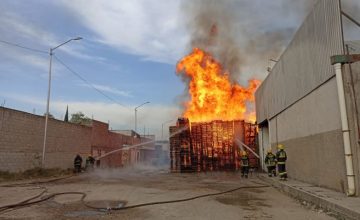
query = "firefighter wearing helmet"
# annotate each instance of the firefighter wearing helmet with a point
(281, 162)
(270, 161)
(244, 164)
(90, 161)
(77, 163)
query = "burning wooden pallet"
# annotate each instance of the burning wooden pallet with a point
(210, 146)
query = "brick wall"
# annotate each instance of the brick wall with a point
(21, 142)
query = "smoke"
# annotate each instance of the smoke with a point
(236, 34)
(212, 28)
(244, 35)
(352, 8)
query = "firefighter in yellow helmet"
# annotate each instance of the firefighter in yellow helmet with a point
(270, 161)
(244, 164)
(281, 162)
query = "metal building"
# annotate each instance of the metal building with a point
(310, 102)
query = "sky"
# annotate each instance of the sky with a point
(127, 55)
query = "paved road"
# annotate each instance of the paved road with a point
(106, 188)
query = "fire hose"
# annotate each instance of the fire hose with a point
(183, 200)
(29, 201)
(36, 182)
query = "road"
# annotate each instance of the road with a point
(109, 188)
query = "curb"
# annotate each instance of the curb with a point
(341, 212)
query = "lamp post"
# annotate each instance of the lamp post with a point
(162, 128)
(136, 114)
(48, 97)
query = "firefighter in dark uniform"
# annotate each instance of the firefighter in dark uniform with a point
(270, 161)
(77, 163)
(244, 165)
(89, 163)
(281, 160)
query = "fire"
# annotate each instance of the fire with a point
(212, 95)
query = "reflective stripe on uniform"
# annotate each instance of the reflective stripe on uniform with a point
(281, 162)
(282, 154)
(282, 173)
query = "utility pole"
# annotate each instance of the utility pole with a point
(136, 114)
(48, 98)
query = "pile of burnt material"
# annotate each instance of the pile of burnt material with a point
(211, 146)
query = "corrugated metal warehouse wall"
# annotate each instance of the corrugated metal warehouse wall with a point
(297, 104)
(305, 64)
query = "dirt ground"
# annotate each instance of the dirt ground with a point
(113, 188)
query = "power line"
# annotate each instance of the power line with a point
(66, 66)
(87, 82)
(23, 47)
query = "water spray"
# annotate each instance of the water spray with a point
(140, 144)
(125, 148)
(247, 147)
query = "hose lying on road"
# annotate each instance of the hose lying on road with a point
(36, 182)
(180, 200)
(28, 202)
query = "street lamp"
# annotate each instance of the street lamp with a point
(162, 128)
(136, 114)
(48, 97)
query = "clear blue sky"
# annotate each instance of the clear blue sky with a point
(129, 52)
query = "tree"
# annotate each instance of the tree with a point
(66, 118)
(80, 118)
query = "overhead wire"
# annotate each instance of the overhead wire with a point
(23, 47)
(87, 82)
(67, 67)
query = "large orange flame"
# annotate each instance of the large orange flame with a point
(212, 95)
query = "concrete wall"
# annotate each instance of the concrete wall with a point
(311, 132)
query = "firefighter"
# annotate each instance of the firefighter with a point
(281, 160)
(270, 161)
(244, 165)
(89, 163)
(77, 163)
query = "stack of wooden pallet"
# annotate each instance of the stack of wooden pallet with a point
(210, 146)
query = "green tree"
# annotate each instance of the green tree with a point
(66, 118)
(80, 118)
